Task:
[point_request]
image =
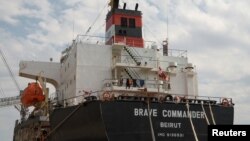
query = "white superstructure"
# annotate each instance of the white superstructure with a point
(94, 68)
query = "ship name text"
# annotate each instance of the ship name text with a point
(170, 125)
(169, 113)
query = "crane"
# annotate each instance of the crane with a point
(15, 100)
(10, 101)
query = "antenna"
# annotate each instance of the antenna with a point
(98, 16)
(167, 25)
(73, 28)
(74, 21)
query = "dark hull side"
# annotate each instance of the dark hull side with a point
(129, 121)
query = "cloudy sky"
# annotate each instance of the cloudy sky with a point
(216, 34)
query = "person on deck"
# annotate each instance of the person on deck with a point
(121, 81)
(128, 83)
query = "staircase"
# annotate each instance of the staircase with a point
(133, 54)
(128, 73)
(132, 73)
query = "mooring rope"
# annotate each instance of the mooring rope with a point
(192, 125)
(208, 123)
(150, 121)
(212, 115)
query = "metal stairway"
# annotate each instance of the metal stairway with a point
(132, 73)
(133, 54)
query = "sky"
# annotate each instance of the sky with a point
(216, 34)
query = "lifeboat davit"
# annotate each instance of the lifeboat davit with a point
(32, 95)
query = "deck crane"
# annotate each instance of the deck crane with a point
(15, 100)
(29, 95)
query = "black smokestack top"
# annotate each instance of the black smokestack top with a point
(136, 6)
(124, 5)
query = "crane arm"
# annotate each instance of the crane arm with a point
(15, 103)
(9, 101)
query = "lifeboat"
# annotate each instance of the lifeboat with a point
(32, 94)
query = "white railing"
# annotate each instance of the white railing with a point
(90, 39)
(138, 84)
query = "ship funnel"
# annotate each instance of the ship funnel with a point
(124, 5)
(136, 6)
(124, 26)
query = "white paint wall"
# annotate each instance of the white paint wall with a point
(93, 66)
(67, 74)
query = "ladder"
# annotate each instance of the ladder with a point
(133, 54)
(131, 72)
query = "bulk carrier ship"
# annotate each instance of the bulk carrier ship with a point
(120, 90)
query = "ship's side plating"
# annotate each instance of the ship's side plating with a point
(125, 120)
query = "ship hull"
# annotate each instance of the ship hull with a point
(136, 121)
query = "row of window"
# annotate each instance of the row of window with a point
(65, 69)
(68, 84)
(125, 22)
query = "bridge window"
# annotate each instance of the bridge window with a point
(132, 23)
(124, 22)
